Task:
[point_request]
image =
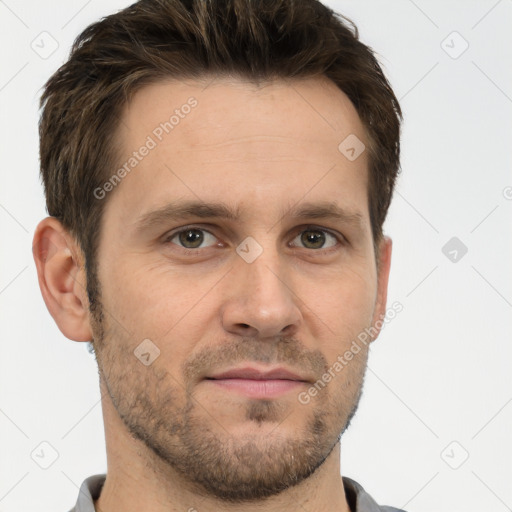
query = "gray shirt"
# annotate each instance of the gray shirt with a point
(358, 499)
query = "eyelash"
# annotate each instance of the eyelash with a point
(339, 238)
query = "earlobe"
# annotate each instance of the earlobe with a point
(385, 249)
(62, 279)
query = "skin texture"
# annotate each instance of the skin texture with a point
(176, 441)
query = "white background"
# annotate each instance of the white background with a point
(440, 371)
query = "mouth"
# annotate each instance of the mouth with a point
(257, 383)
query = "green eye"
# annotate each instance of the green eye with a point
(314, 238)
(191, 238)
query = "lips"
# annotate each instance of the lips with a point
(256, 383)
(251, 373)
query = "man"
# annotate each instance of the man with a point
(217, 174)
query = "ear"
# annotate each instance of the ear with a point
(384, 265)
(62, 279)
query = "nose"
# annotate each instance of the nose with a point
(261, 302)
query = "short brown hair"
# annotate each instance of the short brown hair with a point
(157, 39)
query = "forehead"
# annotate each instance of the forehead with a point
(248, 143)
(300, 109)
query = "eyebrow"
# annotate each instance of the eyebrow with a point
(182, 210)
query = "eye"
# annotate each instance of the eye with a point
(197, 238)
(191, 238)
(315, 238)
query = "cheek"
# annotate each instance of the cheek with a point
(346, 298)
(157, 302)
(343, 309)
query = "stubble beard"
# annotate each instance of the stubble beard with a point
(174, 427)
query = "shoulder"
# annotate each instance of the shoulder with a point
(360, 501)
(89, 491)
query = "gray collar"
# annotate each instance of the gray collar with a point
(358, 499)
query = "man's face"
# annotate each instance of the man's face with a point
(202, 293)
